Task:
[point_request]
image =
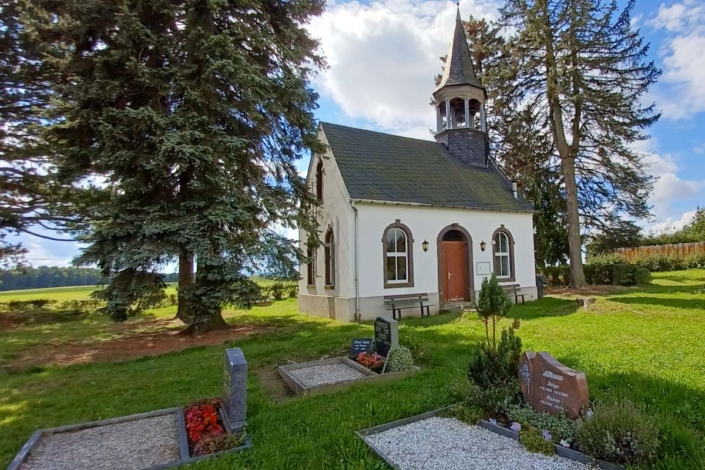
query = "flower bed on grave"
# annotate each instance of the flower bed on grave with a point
(206, 431)
(544, 405)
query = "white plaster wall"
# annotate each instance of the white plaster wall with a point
(337, 212)
(425, 223)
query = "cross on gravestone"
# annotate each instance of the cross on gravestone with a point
(386, 335)
(234, 405)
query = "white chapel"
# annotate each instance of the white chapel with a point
(409, 222)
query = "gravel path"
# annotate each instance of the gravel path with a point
(448, 444)
(327, 374)
(132, 445)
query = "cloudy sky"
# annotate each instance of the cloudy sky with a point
(383, 55)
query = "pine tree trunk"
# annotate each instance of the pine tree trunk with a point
(186, 279)
(214, 322)
(577, 276)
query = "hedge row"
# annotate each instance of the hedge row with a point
(600, 274)
(657, 263)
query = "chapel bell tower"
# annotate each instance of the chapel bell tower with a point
(460, 104)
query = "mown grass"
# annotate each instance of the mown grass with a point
(642, 344)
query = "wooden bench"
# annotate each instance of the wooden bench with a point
(514, 290)
(397, 303)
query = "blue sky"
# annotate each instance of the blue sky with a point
(382, 57)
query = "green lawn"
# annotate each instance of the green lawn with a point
(643, 344)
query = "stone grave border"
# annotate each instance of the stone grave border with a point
(185, 456)
(560, 450)
(370, 376)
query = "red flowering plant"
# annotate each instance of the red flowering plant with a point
(372, 361)
(202, 421)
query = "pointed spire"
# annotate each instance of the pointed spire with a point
(458, 69)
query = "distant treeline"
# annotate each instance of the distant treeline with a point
(52, 276)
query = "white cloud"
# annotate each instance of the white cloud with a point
(382, 58)
(684, 62)
(669, 186)
(670, 225)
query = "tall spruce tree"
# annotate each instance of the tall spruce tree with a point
(32, 199)
(195, 112)
(582, 66)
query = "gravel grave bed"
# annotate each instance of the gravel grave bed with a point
(132, 445)
(326, 374)
(448, 444)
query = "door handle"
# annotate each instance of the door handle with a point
(449, 275)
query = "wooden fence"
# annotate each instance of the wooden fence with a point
(680, 250)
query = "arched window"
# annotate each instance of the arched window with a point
(319, 180)
(329, 254)
(398, 256)
(503, 249)
(311, 266)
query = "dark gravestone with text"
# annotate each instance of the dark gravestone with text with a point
(552, 387)
(235, 390)
(360, 345)
(386, 335)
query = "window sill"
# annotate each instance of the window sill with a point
(399, 285)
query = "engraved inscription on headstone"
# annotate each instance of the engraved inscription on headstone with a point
(386, 334)
(360, 345)
(235, 390)
(552, 387)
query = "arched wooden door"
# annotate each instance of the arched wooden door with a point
(454, 265)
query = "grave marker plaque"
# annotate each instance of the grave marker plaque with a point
(234, 404)
(360, 345)
(552, 387)
(386, 335)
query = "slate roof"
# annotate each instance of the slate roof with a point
(384, 167)
(458, 69)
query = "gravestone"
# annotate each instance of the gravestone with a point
(234, 403)
(386, 335)
(552, 387)
(360, 345)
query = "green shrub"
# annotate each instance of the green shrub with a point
(557, 276)
(642, 276)
(560, 427)
(276, 291)
(399, 359)
(492, 305)
(488, 368)
(533, 440)
(599, 274)
(605, 259)
(19, 305)
(496, 399)
(619, 432)
(466, 413)
(624, 275)
(292, 291)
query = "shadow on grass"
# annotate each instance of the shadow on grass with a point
(546, 307)
(672, 302)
